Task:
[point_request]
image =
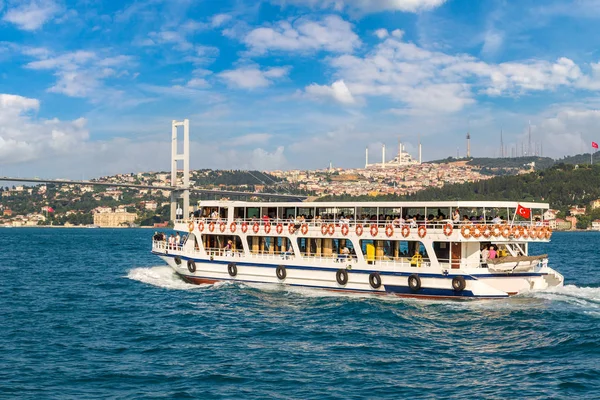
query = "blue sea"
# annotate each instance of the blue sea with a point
(90, 313)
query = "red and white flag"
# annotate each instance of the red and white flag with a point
(524, 211)
(595, 145)
(48, 209)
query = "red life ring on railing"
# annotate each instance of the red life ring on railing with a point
(422, 231)
(232, 227)
(476, 232)
(506, 232)
(331, 229)
(304, 229)
(201, 226)
(324, 229)
(279, 229)
(244, 227)
(405, 231)
(358, 230)
(255, 227)
(389, 230)
(222, 227)
(267, 227)
(516, 232)
(374, 230)
(448, 229)
(497, 231)
(211, 227)
(345, 229)
(541, 233)
(548, 233)
(466, 231)
(291, 228)
(190, 226)
(487, 232)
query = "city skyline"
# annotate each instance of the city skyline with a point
(90, 89)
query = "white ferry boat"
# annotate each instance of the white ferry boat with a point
(412, 249)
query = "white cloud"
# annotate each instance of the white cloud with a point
(492, 42)
(219, 19)
(330, 34)
(31, 15)
(369, 6)
(338, 91)
(251, 77)
(251, 139)
(381, 33)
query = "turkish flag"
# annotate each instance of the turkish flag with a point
(595, 145)
(524, 212)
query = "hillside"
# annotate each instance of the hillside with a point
(517, 163)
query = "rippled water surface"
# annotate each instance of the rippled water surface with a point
(91, 313)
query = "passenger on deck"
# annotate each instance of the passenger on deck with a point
(456, 216)
(228, 248)
(497, 220)
(492, 253)
(485, 254)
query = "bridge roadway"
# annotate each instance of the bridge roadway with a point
(223, 193)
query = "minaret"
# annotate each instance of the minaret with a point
(366, 156)
(383, 155)
(468, 145)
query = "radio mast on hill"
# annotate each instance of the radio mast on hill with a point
(468, 145)
(501, 145)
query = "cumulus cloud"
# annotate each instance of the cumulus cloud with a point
(338, 91)
(31, 15)
(369, 6)
(304, 35)
(251, 77)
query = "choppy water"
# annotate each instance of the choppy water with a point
(91, 313)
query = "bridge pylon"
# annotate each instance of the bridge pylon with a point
(180, 197)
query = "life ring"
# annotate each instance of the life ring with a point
(448, 229)
(190, 226)
(341, 276)
(279, 229)
(458, 284)
(506, 232)
(416, 260)
(191, 266)
(548, 233)
(375, 280)
(281, 272)
(422, 231)
(476, 232)
(345, 229)
(232, 227)
(389, 230)
(177, 260)
(201, 226)
(211, 227)
(267, 227)
(304, 229)
(358, 230)
(414, 282)
(291, 228)
(541, 233)
(405, 231)
(255, 227)
(222, 227)
(324, 229)
(331, 229)
(517, 232)
(531, 232)
(466, 231)
(244, 227)
(496, 231)
(374, 230)
(487, 232)
(232, 269)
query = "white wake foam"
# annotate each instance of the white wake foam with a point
(585, 296)
(160, 276)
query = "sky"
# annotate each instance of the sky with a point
(89, 88)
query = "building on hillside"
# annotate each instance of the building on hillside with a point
(577, 211)
(596, 225)
(573, 221)
(114, 219)
(550, 214)
(7, 212)
(595, 204)
(560, 224)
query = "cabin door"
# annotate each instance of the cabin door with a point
(456, 254)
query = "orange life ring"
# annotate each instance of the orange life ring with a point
(279, 229)
(374, 230)
(244, 227)
(476, 232)
(541, 233)
(291, 228)
(190, 226)
(448, 228)
(496, 231)
(531, 232)
(506, 232)
(422, 231)
(304, 229)
(487, 232)
(358, 230)
(345, 229)
(211, 227)
(232, 227)
(255, 227)
(324, 229)
(389, 230)
(222, 227)
(201, 226)
(548, 233)
(267, 227)
(331, 229)
(466, 231)
(525, 233)
(405, 231)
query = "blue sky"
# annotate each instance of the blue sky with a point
(89, 88)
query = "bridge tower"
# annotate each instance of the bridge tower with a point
(181, 196)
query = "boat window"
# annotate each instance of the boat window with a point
(222, 245)
(326, 248)
(412, 252)
(270, 245)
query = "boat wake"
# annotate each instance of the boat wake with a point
(588, 297)
(161, 276)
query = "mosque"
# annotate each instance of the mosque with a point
(403, 158)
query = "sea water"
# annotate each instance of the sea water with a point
(90, 313)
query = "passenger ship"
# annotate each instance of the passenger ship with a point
(412, 249)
